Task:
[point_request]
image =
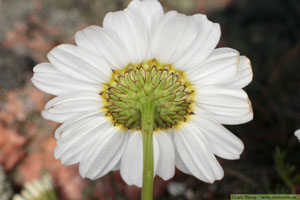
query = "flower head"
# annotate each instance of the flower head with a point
(103, 82)
(38, 189)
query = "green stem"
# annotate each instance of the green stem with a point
(147, 115)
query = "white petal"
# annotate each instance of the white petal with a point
(62, 108)
(132, 160)
(82, 63)
(221, 141)
(76, 136)
(65, 130)
(180, 164)
(244, 75)
(117, 166)
(148, 12)
(166, 162)
(104, 44)
(103, 154)
(18, 197)
(297, 134)
(114, 162)
(205, 42)
(77, 63)
(227, 105)
(219, 67)
(126, 26)
(173, 36)
(178, 161)
(194, 151)
(52, 81)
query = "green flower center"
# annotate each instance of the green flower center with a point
(170, 92)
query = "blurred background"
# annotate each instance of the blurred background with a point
(268, 32)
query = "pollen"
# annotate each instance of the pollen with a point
(168, 88)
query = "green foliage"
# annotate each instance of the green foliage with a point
(47, 195)
(285, 170)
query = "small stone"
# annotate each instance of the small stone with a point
(176, 189)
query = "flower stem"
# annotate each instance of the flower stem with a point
(147, 115)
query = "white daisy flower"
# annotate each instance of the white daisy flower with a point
(297, 134)
(104, 82)
(37, 190)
